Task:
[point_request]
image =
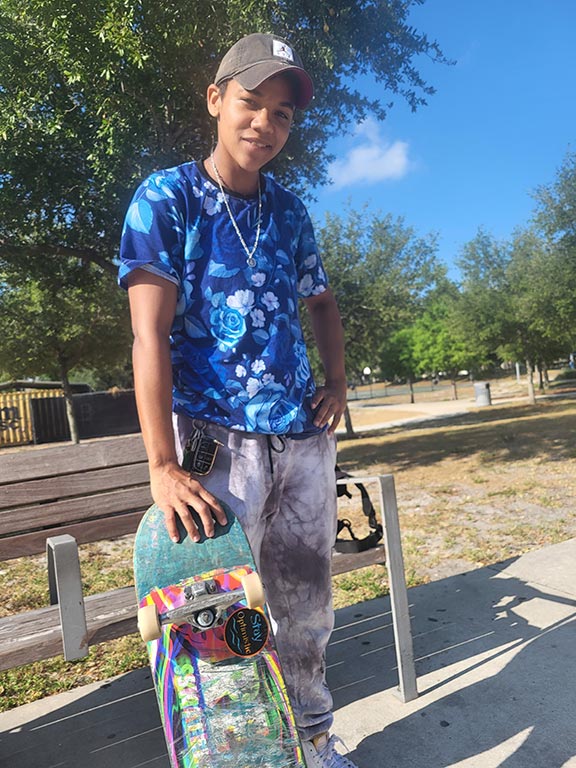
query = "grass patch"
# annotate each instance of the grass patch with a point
(359, 586)
(508, 492)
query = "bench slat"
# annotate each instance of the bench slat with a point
(81, 484)
(34, 463)
(36, 635)
(84, 533)
(59, 513)
(342, 563)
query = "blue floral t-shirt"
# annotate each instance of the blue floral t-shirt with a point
(238, 353)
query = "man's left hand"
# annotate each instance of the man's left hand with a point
(329, 403)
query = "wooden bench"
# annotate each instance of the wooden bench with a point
(52, 499)
(91, 491)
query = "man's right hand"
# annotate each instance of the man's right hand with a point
(174, 491)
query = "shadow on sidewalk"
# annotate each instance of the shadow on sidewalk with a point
(496, 661)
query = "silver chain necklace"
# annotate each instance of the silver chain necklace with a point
(250, 260)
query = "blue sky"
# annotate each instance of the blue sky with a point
(500, 124)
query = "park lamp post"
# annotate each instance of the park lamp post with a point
(367, 372)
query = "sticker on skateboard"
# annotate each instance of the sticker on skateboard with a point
(246, 632)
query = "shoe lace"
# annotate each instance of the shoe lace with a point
(332, 759)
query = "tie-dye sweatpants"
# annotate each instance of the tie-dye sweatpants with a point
(284, 495)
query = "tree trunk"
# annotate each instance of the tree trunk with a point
(540, 377)
(411, 385)
(67, 389)
(454, 390)
(348, 422)
(530, 377)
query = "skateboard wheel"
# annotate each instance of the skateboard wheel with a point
(253, 590)
(149, 623)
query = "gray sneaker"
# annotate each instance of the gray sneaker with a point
(322, 754)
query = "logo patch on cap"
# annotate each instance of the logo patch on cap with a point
(279, 48)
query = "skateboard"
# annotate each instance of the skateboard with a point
(219, 685)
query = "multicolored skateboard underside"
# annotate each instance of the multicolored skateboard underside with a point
(220, 709)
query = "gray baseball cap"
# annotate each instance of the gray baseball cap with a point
(255, 58)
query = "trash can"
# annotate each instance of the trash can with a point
(482, 393)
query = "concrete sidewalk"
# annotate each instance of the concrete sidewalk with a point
(496, 660)
(370, 415)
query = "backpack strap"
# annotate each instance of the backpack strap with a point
(355, 544)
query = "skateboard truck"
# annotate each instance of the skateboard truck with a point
(204, 607)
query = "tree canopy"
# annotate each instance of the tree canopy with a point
(380, 269)
(57, 317)
(94, 96)
(517, 299)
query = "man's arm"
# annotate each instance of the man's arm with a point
(152, 307)
(330, 399)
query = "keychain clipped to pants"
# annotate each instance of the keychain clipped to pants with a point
(200, 450)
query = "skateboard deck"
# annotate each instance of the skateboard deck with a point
(219, 685)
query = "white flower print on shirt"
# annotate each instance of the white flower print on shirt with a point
(258, 279)
(253, 386)
(258, 318)
(241, 300)
(270, 301)
(243, 318)
(306, 285)
(258, 366)
(213, 205)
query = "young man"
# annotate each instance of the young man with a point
(215, 256)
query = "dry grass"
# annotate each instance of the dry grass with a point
(480, 488)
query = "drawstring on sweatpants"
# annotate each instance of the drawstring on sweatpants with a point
(272, 447)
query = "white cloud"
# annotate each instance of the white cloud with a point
(372, 159)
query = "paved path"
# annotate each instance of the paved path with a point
(496, 660)
(368, 415)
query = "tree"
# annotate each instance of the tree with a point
(93, 96)
(516, 299)
(540, 294)
(379, 270)
(340, 244)
(485, 312)
(402, 269)
(439, 345)
(398, 358)
(66, 315)
(555, 222)
(555, 215)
